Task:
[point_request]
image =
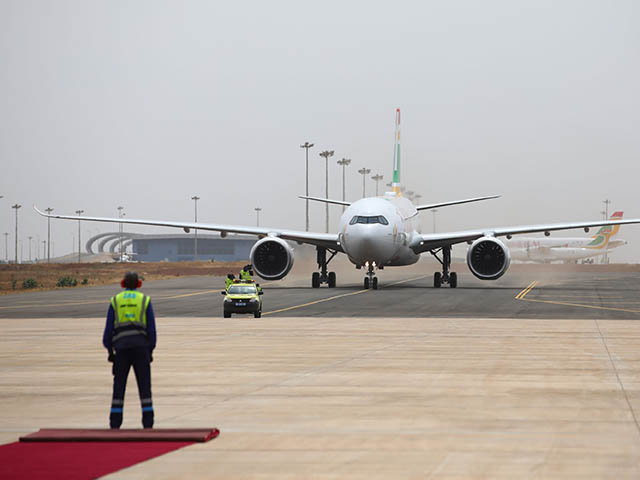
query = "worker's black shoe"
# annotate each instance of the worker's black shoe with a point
(115, 420)
(147, 419)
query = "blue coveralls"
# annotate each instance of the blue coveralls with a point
(132, 350)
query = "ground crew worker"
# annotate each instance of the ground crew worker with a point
(246, 273)
(229, 281)
(130, 332)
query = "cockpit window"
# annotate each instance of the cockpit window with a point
(375, 219)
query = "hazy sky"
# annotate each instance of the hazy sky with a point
(147, 103)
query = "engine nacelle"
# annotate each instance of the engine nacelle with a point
(272, 258)
(488, 258)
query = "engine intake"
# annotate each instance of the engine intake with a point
(272, 258)
(488, 258)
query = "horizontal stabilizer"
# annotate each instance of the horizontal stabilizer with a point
(326, 200)
(456, 202)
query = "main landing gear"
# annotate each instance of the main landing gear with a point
(318, 278)
(445, 277)
(370, 281)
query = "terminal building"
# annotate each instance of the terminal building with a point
(172, 248)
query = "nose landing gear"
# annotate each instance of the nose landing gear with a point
(445, 277)
(318, 278)
(371, 281)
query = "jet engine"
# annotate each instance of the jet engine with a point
(272, 258)
(488, 258)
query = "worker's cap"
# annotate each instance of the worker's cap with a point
(131, 281)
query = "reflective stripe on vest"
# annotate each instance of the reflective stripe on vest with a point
(130, 314)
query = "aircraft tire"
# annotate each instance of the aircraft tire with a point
(453, 279)
(257, 314)
(332, 280)
(315, 280)
(366, 283)
(226, 315)
(374, 283)
(437, 280)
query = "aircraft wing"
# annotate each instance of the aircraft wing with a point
(455, 202)
(425, 242)
(327, 240)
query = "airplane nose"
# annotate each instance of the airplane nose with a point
(367, 243)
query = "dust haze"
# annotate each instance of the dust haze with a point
(145, 104)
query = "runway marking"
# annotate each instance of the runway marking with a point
(105, 301)
(568, 304)
(532, 285)
(322, 300)
(528, 288)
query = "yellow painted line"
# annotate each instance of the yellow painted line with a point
(594, 307)
(322, 300)
(190, 294)
(526, 290)
(105, 301)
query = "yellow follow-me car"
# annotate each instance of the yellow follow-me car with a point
(242, 297)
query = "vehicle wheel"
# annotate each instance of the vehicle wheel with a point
(374, 283)
(437, 280)
(453, 279)
(332, 279)
(315, 280)
(257, 314)
(226, 315)
(366, 283)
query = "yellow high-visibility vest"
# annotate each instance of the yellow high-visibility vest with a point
(130, 309)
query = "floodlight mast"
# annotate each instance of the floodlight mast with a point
(364, 172)
(79, 212)
(195, 198)
(16, 207)
(326, 154)
(344, 162)
(307, 146)
(377, 179)
(48, 210)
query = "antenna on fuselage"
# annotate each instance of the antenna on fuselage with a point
(396, 156)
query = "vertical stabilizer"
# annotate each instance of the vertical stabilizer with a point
(601, 239)
(396, 156)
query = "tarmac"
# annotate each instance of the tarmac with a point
(533, 376)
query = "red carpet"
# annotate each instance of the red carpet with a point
(76, 460)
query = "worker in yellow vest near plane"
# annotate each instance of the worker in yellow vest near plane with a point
(131, 332)
(246, 273)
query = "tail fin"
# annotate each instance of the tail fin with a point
(396, 156)
(602, 237)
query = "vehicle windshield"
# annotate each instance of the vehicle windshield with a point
(242, 290)
(374, 219)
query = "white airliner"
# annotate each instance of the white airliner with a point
(543, 250)
(375, 233)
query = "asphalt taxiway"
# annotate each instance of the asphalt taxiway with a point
(404, 292)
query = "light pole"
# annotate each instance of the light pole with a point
(258, 210)
(6, 247)
(605, 257)
(434, 211)
(120, 214)
(48, 210)
(364, 171)
(344, 162)
(79, 212)
(44, 248)
(326, 154)
(195, 199)
(16, 206)
(377, 178)
(29, 237)
(307, 146)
